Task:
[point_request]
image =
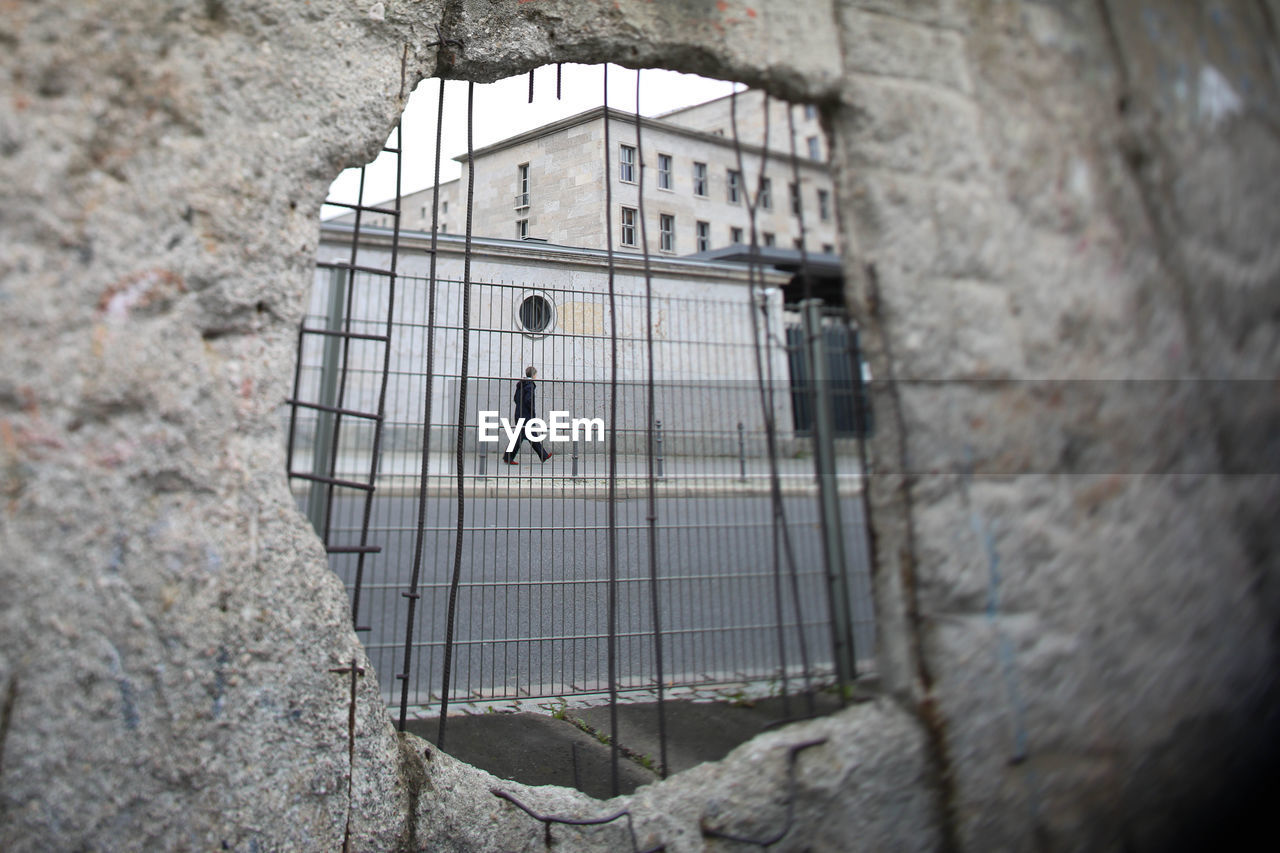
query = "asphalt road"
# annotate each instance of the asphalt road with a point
(532, 606)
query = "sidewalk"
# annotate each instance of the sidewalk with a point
(587, 476)
(573, 746)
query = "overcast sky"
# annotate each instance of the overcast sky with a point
(502, 109)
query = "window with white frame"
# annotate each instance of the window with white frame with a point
(522, 229)
(735, 186)
(664, 171)
(810, 112)
(815, 148)
(704, 236)
(628, 226)
(522, 186)
(795, 198)
(735, 235)
(769, 238)
(627, 164)
(667, 232)
(700, 179)
(824, 205)
(766, 193)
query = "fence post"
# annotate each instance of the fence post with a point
(575, 457)
(742, 454)
(657, 429)
(824, 456)
(322, 446)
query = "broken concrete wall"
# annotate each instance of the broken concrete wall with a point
(1076, 583)
(1087, 598)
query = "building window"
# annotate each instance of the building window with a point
(628, 226)
(815, 148)
(424, 211)
(536, 314)
(769, 238)
(699, 178)
(735, 186)
(664, 171)
(798, 243)
(443, 227)
(704, 236)
(824, 205)
(795, 198)
(522, 229)
(444, 206)
(828, 248)
(810, 112)
(522, 186)
(735, 235)
(667, 230)
(766, 194)
(627, 164)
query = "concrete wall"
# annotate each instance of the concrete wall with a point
(1077, 590)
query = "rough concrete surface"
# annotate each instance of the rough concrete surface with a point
(1076, 585)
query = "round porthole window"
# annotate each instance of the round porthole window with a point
(536, 314)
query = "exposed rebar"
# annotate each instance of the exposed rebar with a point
(548, 820)
(766, 392)
(612, 508)
(462, 414)
(650, 487)
(416, 571)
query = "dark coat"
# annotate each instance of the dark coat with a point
(524, 399)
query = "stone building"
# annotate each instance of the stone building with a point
(545, 184)
(1076, 587)
(547, 305)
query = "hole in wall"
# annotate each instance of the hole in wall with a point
(411, 337)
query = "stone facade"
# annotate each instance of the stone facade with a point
(701, 315)
(1077, 589)
(564, 200)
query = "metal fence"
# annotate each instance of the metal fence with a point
(531, 610)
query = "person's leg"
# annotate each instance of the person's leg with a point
(511, 457)
(536, 444)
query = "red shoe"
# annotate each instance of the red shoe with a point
(548, 456)
(511, 461)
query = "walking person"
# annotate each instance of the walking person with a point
(526, 409)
